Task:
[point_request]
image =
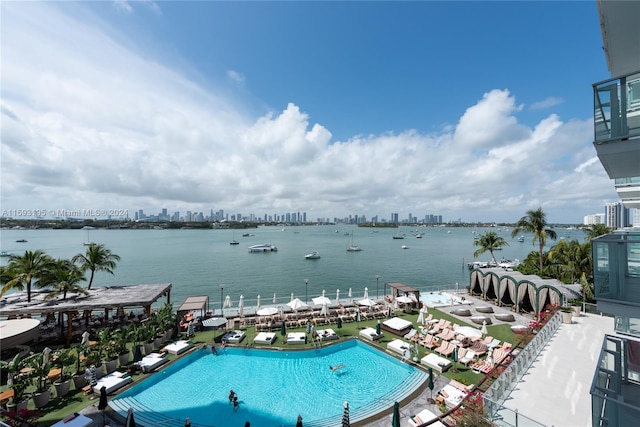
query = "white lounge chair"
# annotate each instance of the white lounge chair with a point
(112, 382)
(436, 362)
(178, 347)
(422, 417)
(265, 338)
(152, 361)
(370, 334)
(296, 338)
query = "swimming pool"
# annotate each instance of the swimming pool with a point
(441, 299)
(273, 387)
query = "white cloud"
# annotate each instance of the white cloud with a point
(546, 104)
(236, 77)
(88, 123)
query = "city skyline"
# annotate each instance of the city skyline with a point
(258, 107)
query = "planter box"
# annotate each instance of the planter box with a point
(40, 400)
(111, 365)
(567, 317)
(124, 359)
(62, 388)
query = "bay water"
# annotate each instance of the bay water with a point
(198, 262)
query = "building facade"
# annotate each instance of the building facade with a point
(615, 390)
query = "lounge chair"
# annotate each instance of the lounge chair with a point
(469, 357)
(178, 347)
(436, 362)
(327, 334)
(482, 366)
(265, 338)
(370, 334)
(411, 334)
(445, 347)
(448, 351)
(397, 326)
(152, 361)
(296, 338)
(398, 346)
(453, 395)
(234, 337)
(112, 382)
(422, 417)
(479, 348)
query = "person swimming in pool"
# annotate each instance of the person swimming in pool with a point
(337, 367)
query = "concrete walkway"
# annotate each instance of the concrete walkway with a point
(555, 390)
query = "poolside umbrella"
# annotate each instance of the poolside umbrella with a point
(454, 356)
(430, 384)
(484, 328)
(366, 293)
(85, 338)
(227, 301)
(389, 311)
(267, 311)
(358, 317)
(378, 327)
(421, 316)
(130, 421)
(292, 297)
(338, 296)
(350, 293)
(297, 304)
(308, 326)
(367, 301)
(345, 415)
(339, 322)
(321, 301)
(324, 311)
(395, 422)
(299, 422)
(404, 299)
(275, 298)
(45, 356)
(102, 404)
(137, 353)
(241, 306)
(258, 302)
(283, 329)
(323, 293)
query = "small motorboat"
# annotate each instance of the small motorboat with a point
(312, 255)
(405, 247)
(21, 240)
(234, 242)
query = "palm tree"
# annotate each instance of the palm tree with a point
(24, 271)
(489, 241)
(64, 276)
(596, 230)
(572, 262)
(535, 222)
(97, 258)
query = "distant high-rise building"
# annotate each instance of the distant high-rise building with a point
(394, 217)
(593, 219)
(616, 215)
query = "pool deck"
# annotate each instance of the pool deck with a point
(566, 364)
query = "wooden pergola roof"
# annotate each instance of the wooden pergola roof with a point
(195, 303)
(397, 287)
(100, 298)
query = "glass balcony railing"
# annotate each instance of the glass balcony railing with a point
(616, 120)
(617, 108)
(616, 267)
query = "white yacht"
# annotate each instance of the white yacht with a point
(264, 247)
(312, 255)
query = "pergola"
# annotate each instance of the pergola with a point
(397, 287)
(101, 298)
(194, 303)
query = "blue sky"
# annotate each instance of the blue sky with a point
(470, 110)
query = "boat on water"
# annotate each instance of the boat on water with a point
(264, 247)
(398, 236)
(234, 242)
(21, 241)
(351, 247)
(405, 247)
(312, 255)
(4, 254)
(521, 238)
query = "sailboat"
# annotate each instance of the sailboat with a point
(88, 242)
(351, 247)
(234, 241)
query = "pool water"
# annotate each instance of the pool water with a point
(274, 387)
(441, 299)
